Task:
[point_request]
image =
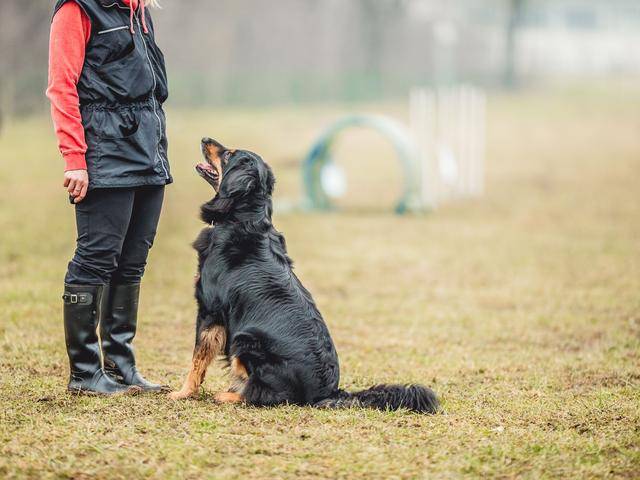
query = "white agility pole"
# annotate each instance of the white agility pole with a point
(449, 128)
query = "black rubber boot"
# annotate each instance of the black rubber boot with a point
(81, 310)
(117, 330)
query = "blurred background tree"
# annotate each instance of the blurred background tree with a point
(24, 30)
(514, 18)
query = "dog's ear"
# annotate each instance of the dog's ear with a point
(235, 185)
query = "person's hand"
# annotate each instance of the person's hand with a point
(77, 183)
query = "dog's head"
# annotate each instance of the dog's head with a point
(242, 180)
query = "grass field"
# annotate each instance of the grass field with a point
(522, 310)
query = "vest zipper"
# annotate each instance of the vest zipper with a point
(153, 98)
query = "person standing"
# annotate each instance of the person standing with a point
(107, 85)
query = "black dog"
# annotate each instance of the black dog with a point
(253, 308)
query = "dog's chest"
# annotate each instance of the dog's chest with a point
(203, 245)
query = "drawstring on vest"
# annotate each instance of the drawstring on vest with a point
(142, 14)
(144, 17)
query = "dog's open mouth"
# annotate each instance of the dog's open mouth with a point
(209, 173)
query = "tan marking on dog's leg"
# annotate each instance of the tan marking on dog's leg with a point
(239, 377)
(238, 369)
(229, 397)
(211, 345)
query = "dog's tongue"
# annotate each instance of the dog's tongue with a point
(205, 166)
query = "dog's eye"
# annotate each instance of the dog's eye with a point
(227, 156)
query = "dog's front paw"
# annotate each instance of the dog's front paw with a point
(228, 397)
(180, 395)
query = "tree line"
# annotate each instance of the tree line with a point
(252, 51)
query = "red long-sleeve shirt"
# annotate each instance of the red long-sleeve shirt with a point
(70, 33)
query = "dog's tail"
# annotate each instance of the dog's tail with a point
(416, 398)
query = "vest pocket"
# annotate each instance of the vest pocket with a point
(127, 78)
(117, 124)
(112, 44)
(132, 153)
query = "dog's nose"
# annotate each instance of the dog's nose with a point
(208, 142)
(211, 141)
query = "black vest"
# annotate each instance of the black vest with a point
(122, 88)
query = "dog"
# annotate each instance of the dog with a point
(254, 311)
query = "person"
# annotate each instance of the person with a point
(107, 85)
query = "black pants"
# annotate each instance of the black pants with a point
(116, 228)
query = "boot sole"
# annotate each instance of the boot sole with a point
(157, 391)
(116, 377)
(131, 391)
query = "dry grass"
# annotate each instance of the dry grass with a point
(522, 310)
